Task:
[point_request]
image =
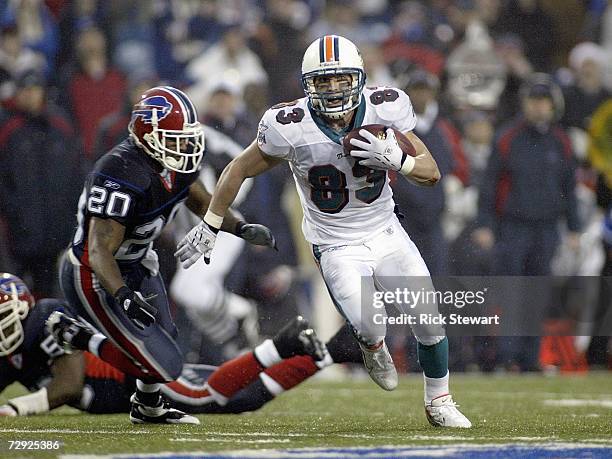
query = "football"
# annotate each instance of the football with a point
(380, 131)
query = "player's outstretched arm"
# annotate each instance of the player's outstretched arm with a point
(250, 163)
(66, 386)
(425, 171)
(105, 237)
(201, 239)
(198, 202)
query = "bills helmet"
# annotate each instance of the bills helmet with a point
(15, 303)
(164, 124)
(333, 55)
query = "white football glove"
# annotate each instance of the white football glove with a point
(381, 154)
(7, 410)
(199, 241)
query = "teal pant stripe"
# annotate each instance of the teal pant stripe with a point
(317, 254)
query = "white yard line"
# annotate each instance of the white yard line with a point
(576, 402)
(77, 431)
(231, 440)
(268, 437)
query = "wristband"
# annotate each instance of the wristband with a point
(408, 165)
(238, 227)
(34, 403)
(122, 293)
(213, 219)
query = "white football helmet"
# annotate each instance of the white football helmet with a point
(15, 303)
(333, 55)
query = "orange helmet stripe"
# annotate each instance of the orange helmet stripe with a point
(329, 48)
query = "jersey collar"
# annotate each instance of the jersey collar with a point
(337, 136)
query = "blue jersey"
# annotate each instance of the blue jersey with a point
(132, 188)
(31, 362)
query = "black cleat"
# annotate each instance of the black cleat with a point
(161, 414)
(298, 338)
(69, 333)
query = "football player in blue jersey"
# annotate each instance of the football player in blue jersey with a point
(30, 355)
(110, 274)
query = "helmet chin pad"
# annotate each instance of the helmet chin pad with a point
(175, 158)
(173, 163)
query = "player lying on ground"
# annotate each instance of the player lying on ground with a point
(357, 240)
(30, 355)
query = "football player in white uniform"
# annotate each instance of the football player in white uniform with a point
(348, 205)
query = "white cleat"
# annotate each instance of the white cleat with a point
(443, 412)
(161, 414)
(380, 366)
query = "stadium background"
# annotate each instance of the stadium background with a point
(88, 59)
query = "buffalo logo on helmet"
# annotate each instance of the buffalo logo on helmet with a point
(146, 107)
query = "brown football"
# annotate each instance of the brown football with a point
(380, 131)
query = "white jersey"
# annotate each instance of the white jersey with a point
(343, 202)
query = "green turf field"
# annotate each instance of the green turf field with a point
(503, 409)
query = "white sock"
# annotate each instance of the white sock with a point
(94, 344)
(327, 361)
(217, 397)
(150, 388)
(267, 354)
(435, 387)
(273, 387)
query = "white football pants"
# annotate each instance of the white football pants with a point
(387, 261)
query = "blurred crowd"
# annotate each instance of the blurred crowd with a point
(70, 71)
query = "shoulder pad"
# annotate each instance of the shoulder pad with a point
(392, 107)
(125, 169)
(277, 126)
